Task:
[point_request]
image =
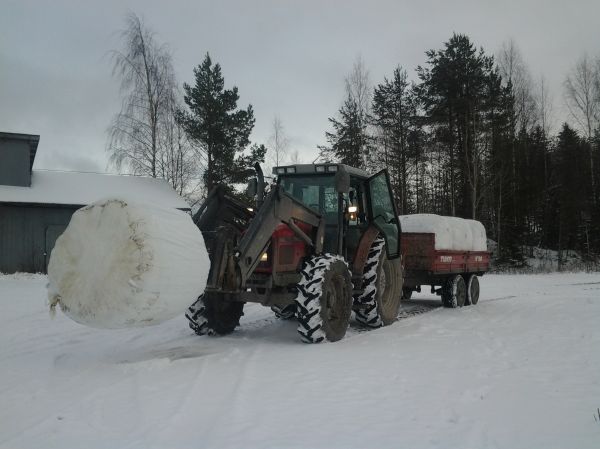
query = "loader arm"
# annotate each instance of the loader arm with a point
(235, 254)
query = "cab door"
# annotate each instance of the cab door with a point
(383, 212)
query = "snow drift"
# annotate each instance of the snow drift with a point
(451, 233)
(120, 264)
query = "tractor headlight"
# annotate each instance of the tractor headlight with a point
(352, 211)
(264, 257)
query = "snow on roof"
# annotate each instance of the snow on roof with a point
(77, 188)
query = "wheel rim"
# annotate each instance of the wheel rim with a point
(461, 291)
(474, 290)
(387, 303)
(334, 302)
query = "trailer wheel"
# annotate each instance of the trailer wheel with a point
(472, 290)
(454, 292)
(407, 293)
(324, 301)
(211, 316)
(379, 303)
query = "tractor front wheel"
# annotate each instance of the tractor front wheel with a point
(211, 316)
(324, 301)
(379, 303)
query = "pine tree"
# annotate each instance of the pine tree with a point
(393, 113)
(349, 142)
(218, 127)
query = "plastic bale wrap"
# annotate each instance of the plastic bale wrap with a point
(121, 265)
(451, 233)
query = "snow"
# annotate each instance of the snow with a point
(519, 370)
(451, 233)
(75, 188)
(121, 264)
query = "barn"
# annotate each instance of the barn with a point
(36, 205)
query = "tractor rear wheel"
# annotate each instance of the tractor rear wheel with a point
(454, 292)
(472, 290)
(379, 303)
(211, 316)
(324, 301)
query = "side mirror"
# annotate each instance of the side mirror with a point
(342, 180)
(252, 188)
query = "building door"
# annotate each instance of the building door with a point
(53, 232)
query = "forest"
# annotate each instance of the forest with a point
(471, 138)
(468, 133)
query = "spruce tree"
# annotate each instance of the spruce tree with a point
(218, 127)
(393, 112)
(349, 142)
(453, 91)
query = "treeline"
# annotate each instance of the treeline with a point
(472, 138)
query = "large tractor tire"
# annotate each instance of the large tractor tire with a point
(379, 303)
(454, 292)
(472, 290)
(210, 316)
(324, 301)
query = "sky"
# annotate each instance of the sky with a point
(288, 58)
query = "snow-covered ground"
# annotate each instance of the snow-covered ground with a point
(519, 370)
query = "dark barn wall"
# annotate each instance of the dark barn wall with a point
(28, 233)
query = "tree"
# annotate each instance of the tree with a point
(453, 92)
(359, 88)
(295, 157)
(348, 140)
(148, 84)
(278, 142)
(582, 95)
(545, 107)
(514, 71)
(218, 128)
(393, 113)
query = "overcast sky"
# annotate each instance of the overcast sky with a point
(287, 58)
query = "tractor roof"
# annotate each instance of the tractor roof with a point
(309, 169)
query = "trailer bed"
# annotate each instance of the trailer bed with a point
(423, 264)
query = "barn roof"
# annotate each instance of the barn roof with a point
(80, 189)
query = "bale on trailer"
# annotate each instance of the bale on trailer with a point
(447, 253)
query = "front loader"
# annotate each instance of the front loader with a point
(323, 242)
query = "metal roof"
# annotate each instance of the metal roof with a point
(80, 189)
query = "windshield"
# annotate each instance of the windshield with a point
(316, 192)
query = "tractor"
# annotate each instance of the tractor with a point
(323, 242)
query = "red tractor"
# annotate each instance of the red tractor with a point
(323, 242)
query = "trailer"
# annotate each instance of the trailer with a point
(446, 253)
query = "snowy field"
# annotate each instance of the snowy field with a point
(519, 370)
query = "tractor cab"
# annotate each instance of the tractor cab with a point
(348, 199)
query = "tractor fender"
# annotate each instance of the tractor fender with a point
(362, 251)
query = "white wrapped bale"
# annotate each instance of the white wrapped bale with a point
(120, 265)
(451, 233)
